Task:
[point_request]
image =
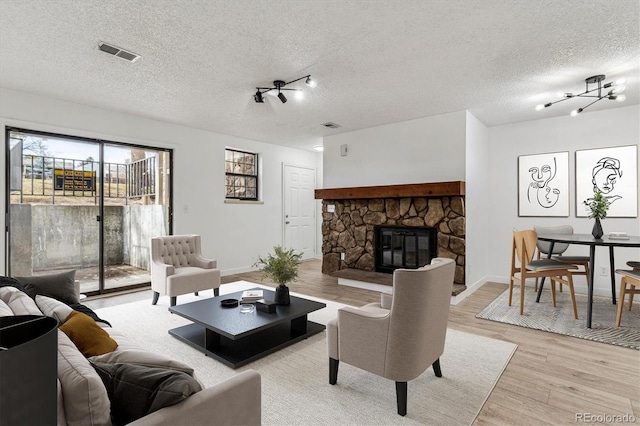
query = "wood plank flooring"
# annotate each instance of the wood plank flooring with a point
(550, 379)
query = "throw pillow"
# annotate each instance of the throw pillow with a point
(18, 301)
(53, 308)
(142, 357)
(137, 390)
(60, 286)
(89, 337)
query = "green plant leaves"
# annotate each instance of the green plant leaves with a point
(597, 206)
(281, 266)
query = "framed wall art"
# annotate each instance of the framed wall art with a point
(612, 171)
(543, 184)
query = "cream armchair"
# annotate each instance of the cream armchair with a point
(399, 343)
(177, 267)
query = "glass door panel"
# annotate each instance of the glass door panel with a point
(54, 207)
(136, 208)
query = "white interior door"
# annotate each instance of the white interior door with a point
(299, 209)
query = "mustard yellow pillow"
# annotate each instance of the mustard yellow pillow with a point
(88, 336)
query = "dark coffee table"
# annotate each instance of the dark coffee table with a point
(235, 338)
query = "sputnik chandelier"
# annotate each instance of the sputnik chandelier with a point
(614, 93)
(279, 85)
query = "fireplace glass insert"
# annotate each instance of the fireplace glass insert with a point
(404, 247)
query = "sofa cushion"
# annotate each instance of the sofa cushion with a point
(137, 390)
(85, 398)
(18, 301)
(142, 357)
(60, 286)
(5, 310)
(88, 336)
(53, 308)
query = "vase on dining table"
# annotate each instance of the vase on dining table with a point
(597, 230)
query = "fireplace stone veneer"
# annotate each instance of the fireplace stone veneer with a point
(348, 228)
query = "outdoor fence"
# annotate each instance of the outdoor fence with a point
(45, 176)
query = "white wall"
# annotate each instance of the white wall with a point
(235, 234)
(613, 127)
(478, 190)
(429, 149)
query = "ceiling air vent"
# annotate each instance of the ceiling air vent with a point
(119, 52)
(331, 125)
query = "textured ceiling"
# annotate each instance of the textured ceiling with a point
(376, 62)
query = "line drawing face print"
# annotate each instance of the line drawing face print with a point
(540, 190)
(604, 177)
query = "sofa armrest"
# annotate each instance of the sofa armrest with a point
(235, 401)
(201, 262)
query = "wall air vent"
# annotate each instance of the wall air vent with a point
(119, 52)
(331, 125)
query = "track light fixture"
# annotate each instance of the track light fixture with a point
(279, 85)
(614, 94)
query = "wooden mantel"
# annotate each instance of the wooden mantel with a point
(433, 189)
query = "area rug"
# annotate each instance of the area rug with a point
(560, 320)
(295, 387)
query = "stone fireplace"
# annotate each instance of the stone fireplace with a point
(350, 217)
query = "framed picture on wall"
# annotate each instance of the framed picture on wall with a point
(543, 184)
(612, 171)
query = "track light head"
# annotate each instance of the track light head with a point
(309, 82)
(282, 97)
(258, 97)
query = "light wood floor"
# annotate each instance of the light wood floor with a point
(550, 379)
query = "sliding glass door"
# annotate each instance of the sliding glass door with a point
(83, 204)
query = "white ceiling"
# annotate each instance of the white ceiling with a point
(375, 61)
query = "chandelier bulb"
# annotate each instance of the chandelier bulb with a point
(539, 107)
(309, 82)
(575, 112)
(620, 98)
(618, 88)
(299, 95)
(620, 81)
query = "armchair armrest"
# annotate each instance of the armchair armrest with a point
(235, 401)
(385, 300)
(201, 262)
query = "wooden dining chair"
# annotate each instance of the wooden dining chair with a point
(524, 266)
(632, 280)
(559, 249)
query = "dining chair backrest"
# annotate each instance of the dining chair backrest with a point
(524, 243)
(558, 248)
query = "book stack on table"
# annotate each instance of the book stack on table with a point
(251, 296)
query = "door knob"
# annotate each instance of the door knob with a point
(287, 222)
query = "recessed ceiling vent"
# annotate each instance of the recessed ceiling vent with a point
(119, 52)
(331, 125)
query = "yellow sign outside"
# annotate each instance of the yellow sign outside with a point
(74, 180)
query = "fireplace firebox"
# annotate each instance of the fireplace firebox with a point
(404, 247)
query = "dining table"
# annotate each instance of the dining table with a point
(589, 240)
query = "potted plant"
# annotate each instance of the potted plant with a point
(281, 267)
(597, 207)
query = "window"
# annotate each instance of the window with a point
(241, 169)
